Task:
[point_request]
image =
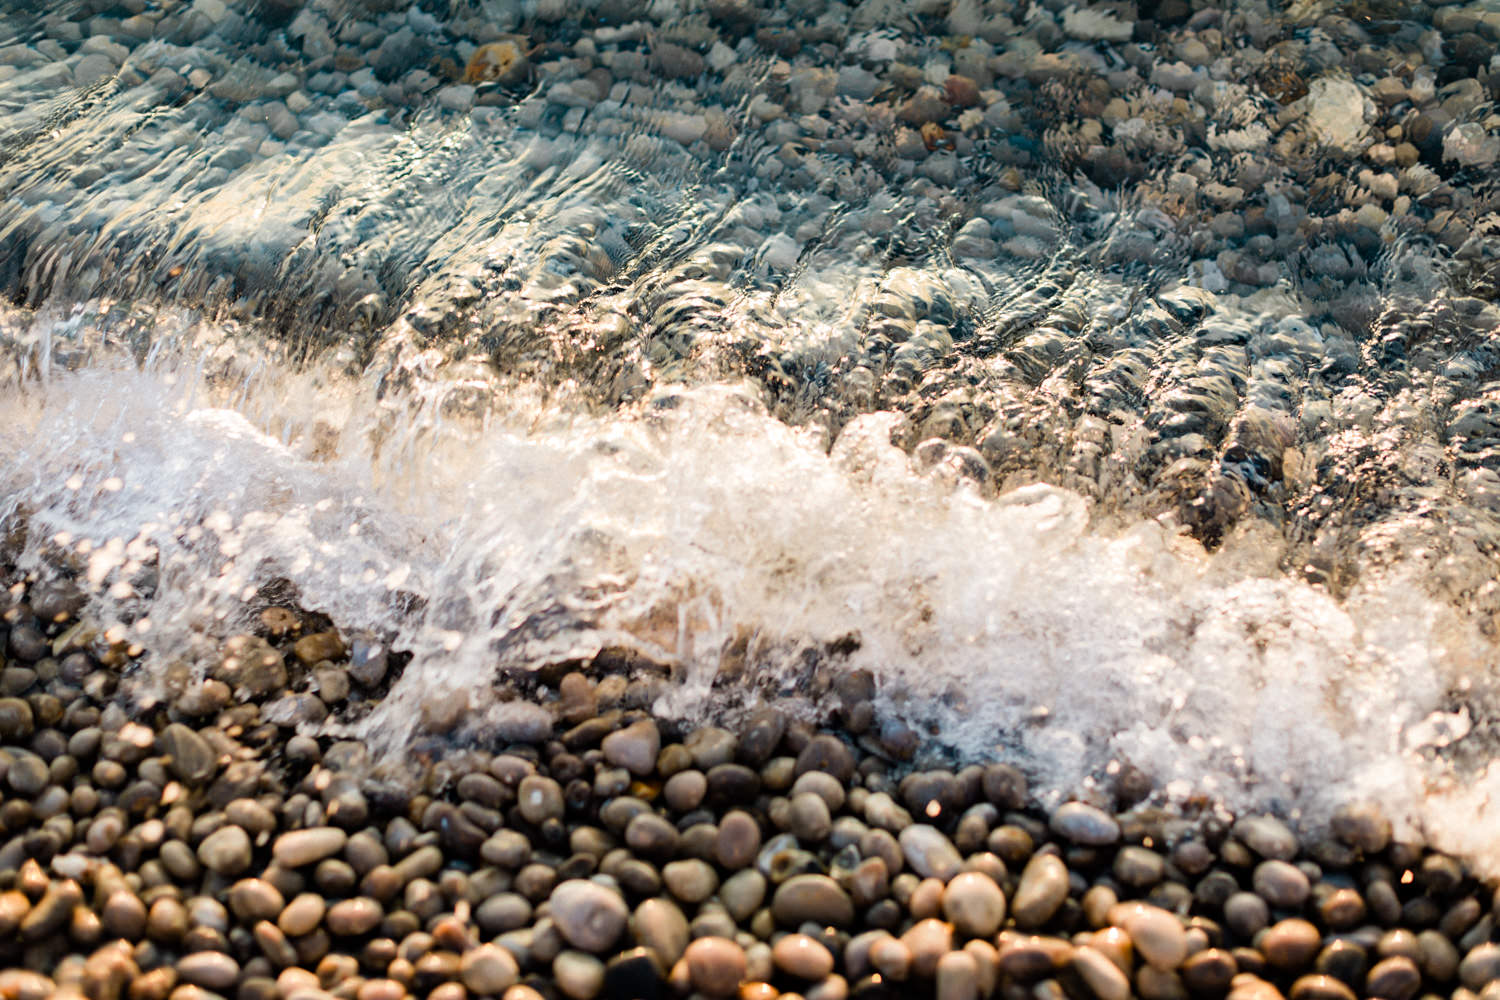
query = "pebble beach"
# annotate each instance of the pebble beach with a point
(201, 849)
(549, 500)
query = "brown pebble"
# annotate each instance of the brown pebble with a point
(802, 956)
(716, 965)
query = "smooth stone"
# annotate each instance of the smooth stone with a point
(1209, 971)
(634, 748)
(1394, 978)
(539, 799)
(1103, 977)
(803, 957)
(353, 917)
(691, 881)
(578, 975)
(211, 970)
(812, 897)
(302, 915)
(1139, 867)
(929, 852)
(743, 893)
(957, 977)
(1267, 836)
(738, 840)
(828, 754)
(659, 925)
(1480, 967)
(304, 847)
(489, 970)
(1362, 825)
(1158, 936)
(891, 958)
(1316, 987)
(928, 940)
(587, 914)
(1281, 884)
(1290, 944)
(226, 851)
(716, 965)
(974, 904)
(1085, 824)
(633, 975)
(191, 758)
(1042, 889)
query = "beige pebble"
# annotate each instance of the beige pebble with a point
(802, 956)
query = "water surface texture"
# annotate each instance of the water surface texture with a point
(1116, 383)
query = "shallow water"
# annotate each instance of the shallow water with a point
(510, 385)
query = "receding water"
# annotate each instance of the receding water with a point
(721, 370)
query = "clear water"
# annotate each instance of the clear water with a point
(508, 386)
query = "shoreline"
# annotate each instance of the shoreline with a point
(201, 849)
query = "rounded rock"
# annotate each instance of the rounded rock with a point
(1290, 944)
(1281, 884)
(974, 904)
(488, 970)
(226, 851)
(1103, 977)
(353, 917)
(211, 970)
(1394, 978)
(1042, 889)
(716, 965)
(1480, 967)
(587, 914)
(812, 897)
(305, 847)
(801, 956)
(1085, 824)
(1158, 936)
(634, 748)
(929, 852)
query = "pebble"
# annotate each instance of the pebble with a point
(226, 851)
(1268, 837)
(1042, 889)
(716, 965)
(1480, 967)
(587, 914)
(489, 970)
(659, 925)
(974, 904)
(1158, 936)
(957, 977)
(578, 975)
(1290, 944)
(812, 897)
(211, 970)
(1281, 884)
(1085, 824)
(1394, 978)
(634, 748)
(353, 917)
(305, 847)
(690, 880)
(801, 956)
(929, 852)
(1103, 978)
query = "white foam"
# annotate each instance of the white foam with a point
(1017, 625)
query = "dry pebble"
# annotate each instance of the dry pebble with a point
(513, 875)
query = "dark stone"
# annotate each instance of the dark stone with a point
(633, 975)
(761, 735)
(829, 754)
(732, 784)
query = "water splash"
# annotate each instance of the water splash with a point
(703, 533)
